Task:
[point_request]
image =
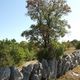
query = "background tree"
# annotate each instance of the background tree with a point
(50, 23)
(74, 42)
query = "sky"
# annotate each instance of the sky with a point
(13, 20)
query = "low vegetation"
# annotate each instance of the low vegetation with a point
(14, 53)
(54, 50)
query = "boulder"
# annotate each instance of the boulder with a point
(46, 70)
(72, 62)
(27, 72)
(52, 65)
(36, 73)
(77, 56)
(66, 64)
(15, 74)
(4, 73)
(59, 67)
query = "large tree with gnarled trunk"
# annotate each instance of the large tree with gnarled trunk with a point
(51, 24)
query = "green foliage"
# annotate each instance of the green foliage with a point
(55, 50)
(43, 54)
(78, 45)
(67, 45)
(5, 57)
(75, 43)
(50, 23)
(50, 26)
(30, 55)
(30, 50)
(13, 53)
(18, 54)
(58, 49)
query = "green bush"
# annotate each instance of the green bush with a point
(10, 53)
(5, 57)
(78, 45)
(55, 50)
(74, 42)
(13, 53)
(30, 55)
(58, 49)
(43, 54)
(18, 54)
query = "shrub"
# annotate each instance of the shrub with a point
(18, 54)
(58, 49)
(5, 57)
(55, 50)
(74, 42)
(6, 60)
(30, 55)
(13, 53)
(78, 45)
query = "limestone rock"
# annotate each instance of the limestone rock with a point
(46, 70)
(4, 73)
(27, 71)
(36, 73)
(53, 67)
(15, 74)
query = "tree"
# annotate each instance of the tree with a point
(74, 42)
(5, 57)
(50, 23)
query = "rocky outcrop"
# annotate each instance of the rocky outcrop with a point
(4, 73)
(47, 69)
(27, 71)
(15, 74)
(36, 73)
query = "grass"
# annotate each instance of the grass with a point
(70, 76)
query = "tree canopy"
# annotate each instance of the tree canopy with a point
(51, 24)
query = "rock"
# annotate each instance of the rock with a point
(27, 72)
(53, 67)
(15, 74)
(59, 67)
(66, 64)
(46, 70)
(36, 73)
(72, 62)
(77, 56)
(4, 73)
(75, 59)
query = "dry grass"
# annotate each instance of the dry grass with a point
(72, 75)
(26, 64)
(70, 50)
